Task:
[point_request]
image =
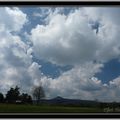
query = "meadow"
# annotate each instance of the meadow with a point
(23, 108)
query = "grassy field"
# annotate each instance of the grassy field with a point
(13, 108)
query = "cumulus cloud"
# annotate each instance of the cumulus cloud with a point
(12, 18)
(13, 61)
(75, 83)
(80, 83)
(69, 39)
(108, 32)
(103, 14)
(72, 40)
(15, 55)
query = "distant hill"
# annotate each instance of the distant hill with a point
(65, 101)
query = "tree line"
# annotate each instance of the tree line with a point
(14, 96)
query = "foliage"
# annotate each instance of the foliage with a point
(25, 98)
(13, 95)
(1, 98)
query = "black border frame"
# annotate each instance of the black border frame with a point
(60, 3)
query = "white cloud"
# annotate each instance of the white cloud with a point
(42, 12)
(108, 32)
(69, 39)
(79, 83)
(12, 18)
(103, 14)
(76, 83)
(65, 40)
(37, 14)
(15, 55)
(13, 61)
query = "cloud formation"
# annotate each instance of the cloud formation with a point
(72, 36)
(75, 83)
(12, 19)
(71, 40)
(65, 39)
(80, 83)
(15, 55)
(108, 32)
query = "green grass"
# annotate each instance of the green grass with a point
(13, 108)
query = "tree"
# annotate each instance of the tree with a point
(1, 98)
(29, 99)
(13, 95)
(25, 98)
(38, 93)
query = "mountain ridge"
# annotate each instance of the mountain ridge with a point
(66, 101)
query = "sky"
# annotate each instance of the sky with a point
(74, 52)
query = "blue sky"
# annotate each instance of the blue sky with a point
(51, 70)
(73, 51)
(110, 71)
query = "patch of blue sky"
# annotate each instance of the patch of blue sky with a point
(32, 22)
(37, 15)
(65, 10)
(110, 71)
(51, 70)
